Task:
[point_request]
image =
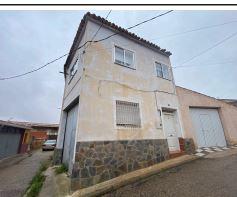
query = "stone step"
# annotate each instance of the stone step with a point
(176, 154)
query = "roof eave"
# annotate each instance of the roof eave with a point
(137, 40)
(113, 27)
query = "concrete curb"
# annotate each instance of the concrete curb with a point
(132, 177)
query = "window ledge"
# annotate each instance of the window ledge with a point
(164, 78)
(128, 128)
(132, 68)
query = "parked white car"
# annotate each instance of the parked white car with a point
(49, 145)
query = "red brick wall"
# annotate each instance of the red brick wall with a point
(39, 135)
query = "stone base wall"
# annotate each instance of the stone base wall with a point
(187, 145)
(57, 156)
(99, 161)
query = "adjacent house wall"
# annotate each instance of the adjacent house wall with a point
(227, 112)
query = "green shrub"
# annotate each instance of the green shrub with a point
(36, 185)
(43, 166)
(37, 181)
(61, 169)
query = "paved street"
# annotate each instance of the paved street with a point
(14, 179)
(212, 176)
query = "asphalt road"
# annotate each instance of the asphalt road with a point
(212, 176)
(14, 179)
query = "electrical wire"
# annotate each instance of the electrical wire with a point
(93, 37)
(39, 68)
(124, 85)
(34, 70)
(100, 26)
(194, 30)
(171, 35)
(203, 65)
(136, 25)
(208, 49)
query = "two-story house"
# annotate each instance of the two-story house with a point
(120, 110)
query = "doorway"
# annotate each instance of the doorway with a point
(170, 131)
(70, 135)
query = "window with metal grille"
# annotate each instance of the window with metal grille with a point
(128, 114)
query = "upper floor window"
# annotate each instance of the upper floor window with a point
(124, 57)
(128, 114)
(162, 71)
(73, 70)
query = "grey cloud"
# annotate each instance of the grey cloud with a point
(29, 39)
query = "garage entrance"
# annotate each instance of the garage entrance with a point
(208, 127)
(70, 135)
(9, 142)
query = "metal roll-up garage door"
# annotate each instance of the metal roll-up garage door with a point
(207, 127)
(9, 142)
(70, 135)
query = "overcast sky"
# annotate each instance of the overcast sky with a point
(29, 39)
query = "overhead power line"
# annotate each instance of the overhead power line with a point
(195, 29)
(135, 25)
(34, 70)
(208, 49)
(205, 65)
(172, 35)
(100, 26)
(90, 41)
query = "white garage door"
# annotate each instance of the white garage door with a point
(208, 128)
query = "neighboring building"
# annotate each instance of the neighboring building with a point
(14, 139)
(120, 109)
(230, 101)
(40, 132)
(208, 121)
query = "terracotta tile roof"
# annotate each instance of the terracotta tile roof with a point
(36, 124)
(28, 125)
(13, 124)
(230, 101)
(119, 30)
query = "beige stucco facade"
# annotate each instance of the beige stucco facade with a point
(227, 113)
(99, 82)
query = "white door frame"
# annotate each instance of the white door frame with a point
(172, 113)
